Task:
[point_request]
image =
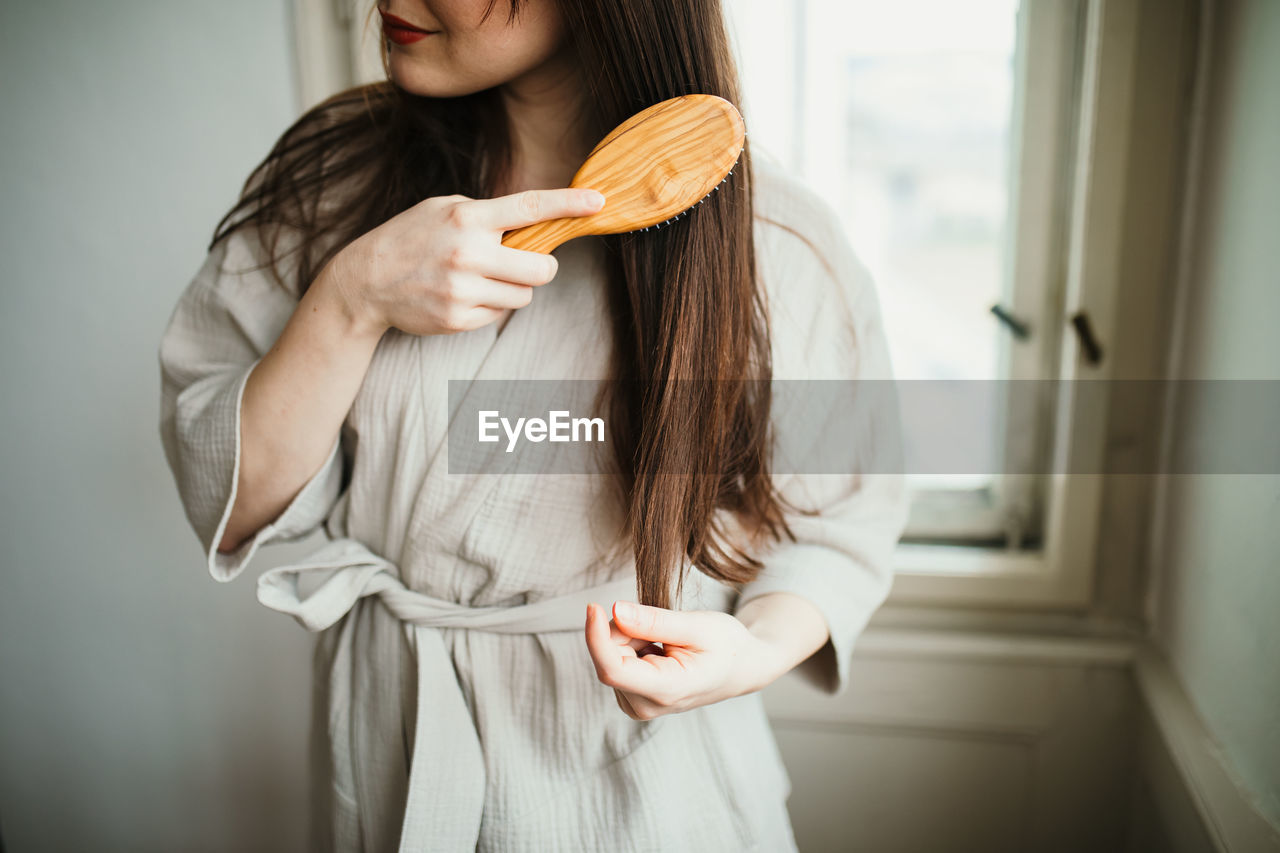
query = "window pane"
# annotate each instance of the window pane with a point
(924, 183)
(899, 115)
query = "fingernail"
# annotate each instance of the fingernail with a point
(624, 610)
(594, 199)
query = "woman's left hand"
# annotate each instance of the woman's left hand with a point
(706, 656)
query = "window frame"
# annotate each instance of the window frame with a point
(1047, 74)
(1060, 574)
(1053, 239)
(1010, 509)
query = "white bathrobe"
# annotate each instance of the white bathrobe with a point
(456, 704)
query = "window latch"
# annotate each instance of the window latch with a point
(1088, 341)
(1019, 328)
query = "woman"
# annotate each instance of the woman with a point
(471, 692)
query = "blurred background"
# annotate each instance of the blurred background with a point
(1041, 189)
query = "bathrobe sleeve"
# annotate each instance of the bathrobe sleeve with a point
(225, 321)
(826, 325)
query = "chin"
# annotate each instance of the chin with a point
(428, 82)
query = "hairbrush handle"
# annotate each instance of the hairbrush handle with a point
(547, 235)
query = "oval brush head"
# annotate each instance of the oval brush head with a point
(651, 168)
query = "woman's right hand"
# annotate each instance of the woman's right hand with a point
(440, 266)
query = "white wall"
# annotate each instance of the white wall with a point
(1217, 617)
(144, 706)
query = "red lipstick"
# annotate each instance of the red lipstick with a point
(401, 31)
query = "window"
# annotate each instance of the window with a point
(942, 134)
(910, 137)
(957, 142)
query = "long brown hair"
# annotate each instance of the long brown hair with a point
(689, 321)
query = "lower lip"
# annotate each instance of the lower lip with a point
(399, 35)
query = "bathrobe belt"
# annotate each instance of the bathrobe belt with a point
(446, 751)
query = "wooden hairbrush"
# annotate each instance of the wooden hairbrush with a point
(652, 168)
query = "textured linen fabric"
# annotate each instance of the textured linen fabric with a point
(464, 581)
